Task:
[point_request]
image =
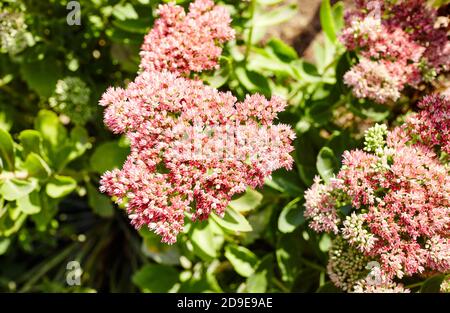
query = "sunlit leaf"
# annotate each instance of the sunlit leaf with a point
(250, 200)
(233, 221)
(291, 216)
(60, 186)
(326, 163)
(260, 280)
(13, 189)
(6, 151)
(156, 278)
(327, 20)
(243, 260)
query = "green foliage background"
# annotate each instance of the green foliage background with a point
(51, 211)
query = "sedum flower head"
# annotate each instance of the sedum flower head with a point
(71, 98)
(375, 80)
(407, 204)
(390, 287)
(400, 196)
(375, 138)
(357, 234)
(321, 205)
(352, 271)
(400, 43)
(192, 148)
(346, 266)
(431, 126)
(12, 31)
(183, 42)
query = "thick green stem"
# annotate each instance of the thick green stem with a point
(250, 31)
(414, 285)
(280, 285)
(312, 265)
(46, 266)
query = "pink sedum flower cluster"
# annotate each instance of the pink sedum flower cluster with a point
(192, 146)
(320, 207)
(431, 126)
(390, 287)
(183, 42)
(400, 198)
(374, 80)
(400, 43)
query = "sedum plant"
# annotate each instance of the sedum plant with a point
(398, 200)
(227, 157)
(34, 178)
(192, 147)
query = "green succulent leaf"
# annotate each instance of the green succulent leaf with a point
(233, 221)
(243, 260)
(13, 188)
(6, 151)
(60, 186)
